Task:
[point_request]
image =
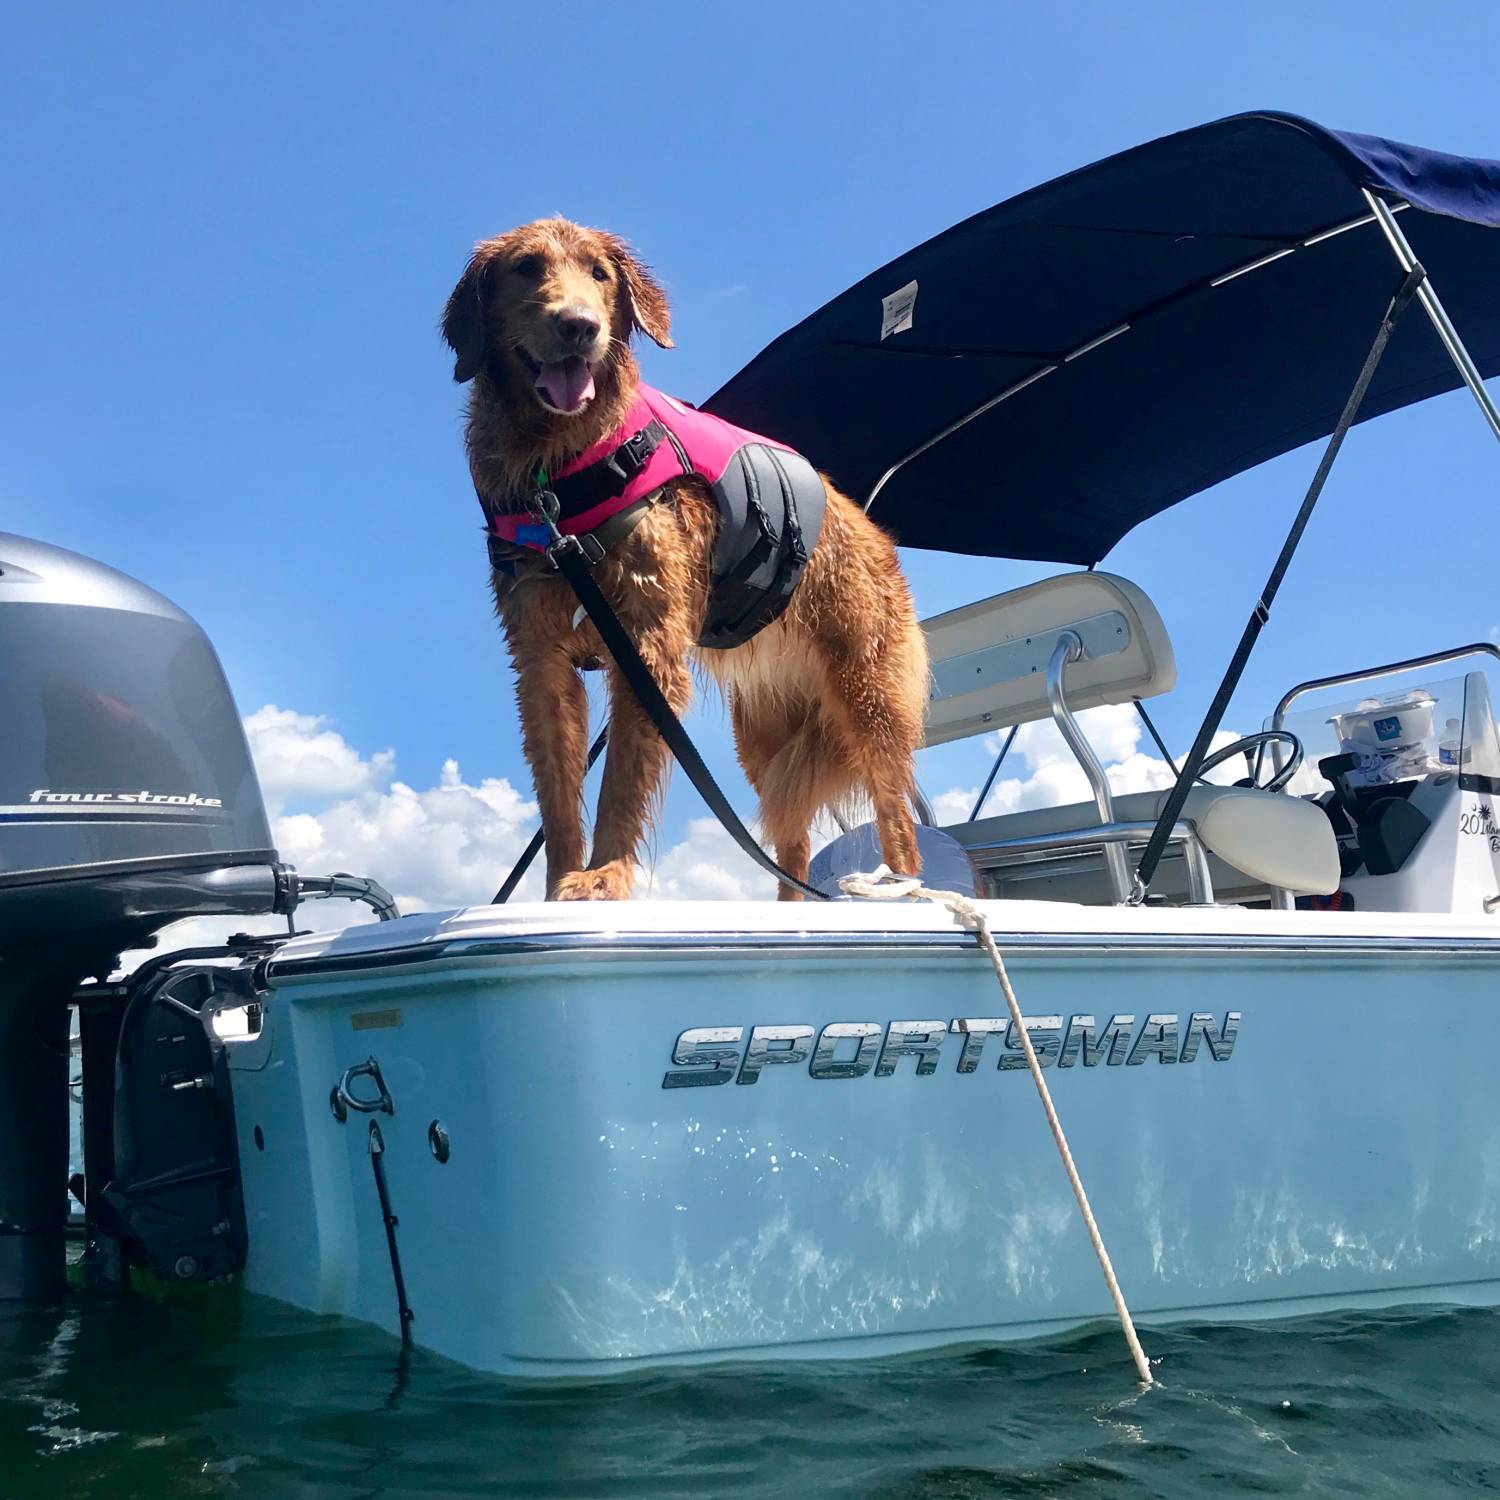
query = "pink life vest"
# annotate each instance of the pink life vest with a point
(770, 502)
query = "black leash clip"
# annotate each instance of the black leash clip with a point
(546, 508)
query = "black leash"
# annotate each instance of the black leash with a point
(530, 852)
(1172, 808)
(568, 557)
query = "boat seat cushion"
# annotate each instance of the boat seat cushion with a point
(1275, 839)
(945, 861)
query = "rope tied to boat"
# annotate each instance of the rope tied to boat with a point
(883, 885)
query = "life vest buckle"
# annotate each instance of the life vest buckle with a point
(635, 452)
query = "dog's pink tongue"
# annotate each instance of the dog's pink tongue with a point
(567, 383)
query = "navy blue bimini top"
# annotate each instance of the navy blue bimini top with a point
(1161, 320)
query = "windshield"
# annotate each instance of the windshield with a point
(1402, 726)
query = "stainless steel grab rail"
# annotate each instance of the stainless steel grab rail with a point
(1068, 649)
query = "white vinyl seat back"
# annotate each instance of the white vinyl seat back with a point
(1280, 840)
(989, 659)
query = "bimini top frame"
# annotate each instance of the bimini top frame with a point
(1041, 378)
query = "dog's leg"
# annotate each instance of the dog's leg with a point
(888, 780)
(764, 728)
(554, 735)
(882, 734)
(634, 765)
(780, 747)
(793, 854)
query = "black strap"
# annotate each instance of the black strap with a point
(604, 479)
(1172, 807)
(573, 566)
(607, 477)
(377, 1165)
(532, 849)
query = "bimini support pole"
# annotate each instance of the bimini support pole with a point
(1433, 307)
(1171, 809)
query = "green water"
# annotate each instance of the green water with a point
(223, 1394)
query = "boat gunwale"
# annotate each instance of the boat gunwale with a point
(615, 945)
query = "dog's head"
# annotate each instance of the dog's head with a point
(547, 311)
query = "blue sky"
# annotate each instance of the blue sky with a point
(230, 230)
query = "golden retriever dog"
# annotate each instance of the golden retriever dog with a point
(826, 701)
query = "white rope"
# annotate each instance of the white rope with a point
(883, 885)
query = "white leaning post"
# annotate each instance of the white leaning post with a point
(882, 885)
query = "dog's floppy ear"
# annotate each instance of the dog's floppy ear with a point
(464, 318)
(648, 303)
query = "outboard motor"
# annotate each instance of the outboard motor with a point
(127, 801)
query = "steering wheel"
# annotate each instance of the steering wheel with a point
(1257, 743)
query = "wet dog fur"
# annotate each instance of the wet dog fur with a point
(827, 702)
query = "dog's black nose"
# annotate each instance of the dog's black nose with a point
(578, 326)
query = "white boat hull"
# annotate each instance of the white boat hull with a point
(1337, 1143)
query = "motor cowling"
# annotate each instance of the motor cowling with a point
(123, 750)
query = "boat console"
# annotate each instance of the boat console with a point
(1407, 777)
(1381, 802)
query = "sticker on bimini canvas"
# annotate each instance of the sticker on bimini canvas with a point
(896, 310)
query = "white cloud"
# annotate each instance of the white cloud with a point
(443, 846)
(1114, 730)
(1056, 779)
(447, 845)
(706, 866)
(954, 805)
(298, 756)
(450, 844)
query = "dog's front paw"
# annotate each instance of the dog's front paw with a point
(611, 882)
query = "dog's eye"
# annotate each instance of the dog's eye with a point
(600, 274)
(529, 266)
